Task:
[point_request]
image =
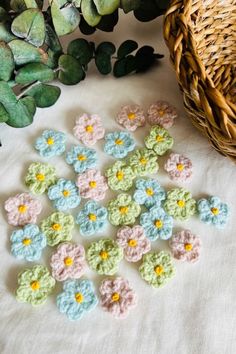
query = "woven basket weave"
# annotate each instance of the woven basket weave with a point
(201, 37)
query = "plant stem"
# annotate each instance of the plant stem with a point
(29, 87)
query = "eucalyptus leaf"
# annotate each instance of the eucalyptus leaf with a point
(44, 95)
(4, 116)
(7, 62)
(77, 3)
(108, 22)
(3, 14)
(53, 58)
(24, 52)
(52, 40)
(65, 19)
(5, 34)
(85, 28)
(126, 48)
(125, 66)
(147, 11)
(29, 103)
(71, 71)
(106, 7)
(90, 13)
(34, 72)
(103, 63)
(130, 5)
(81, 50)
(18, 5)
(106, 47)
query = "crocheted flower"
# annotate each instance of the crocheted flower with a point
(35, 284)
(77, 298)
(92, 218)
(117, 297)
(180, 204)
(161, 113)
(120, 176)
(57, 228)
(179, 167)
(133, 242)
(89, 129)
(157, 268)
(28, 243)
(40, 177)
(159, 140)
(22, 209)
(81, 158)
(144, 162)
(92, 185)
(123, 210)
(157, 224)
(131, 117)
(149, 193)
(213, 211)
(185, 246)
(104, 256)
(64, 194)
(118, 144)
(51, 143)
(68, 262)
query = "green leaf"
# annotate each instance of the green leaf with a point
(145, 58)
(5, 34)
(124, 66)
(53, 58)
(81, 50)
(71, 71)
(163, 4)
(52, 40)
(30, 26)
(103, 63)
(24, 52)
(147, 11)
(44, 95)
(7, 62)
(4, 116)
(108, 22)
(21, 5)
(77, 3)
(126, 48)
(106, 47)
(29, 103)
(106, 7)
(130, 5)
(65, 19)
(34, 72)
(90, 13)
(85, 28)
(3, 14)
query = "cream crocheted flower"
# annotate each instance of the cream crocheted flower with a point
(92, 185)
(178, 167)
(123, 210)
(131, 117)
(185, 246)
(162, 113)
(180, 204)
(89, 129)
(120, 176)
(159, 140)
(40, 177)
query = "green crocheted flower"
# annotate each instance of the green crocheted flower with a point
(143, 162)
(35, 284)
(123, 210)
(120, 176)
(159, 140)
(57, 228)
(157, 268)
(103, 256)
(40, 177)
(180, 204)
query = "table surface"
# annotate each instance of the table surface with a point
(196, 312)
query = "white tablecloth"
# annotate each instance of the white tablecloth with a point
(196, 312)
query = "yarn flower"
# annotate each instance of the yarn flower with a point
(92, 185)
(131, 117)
(133, 242)
(159, 140)
(92, 218)
(40, 177)
(57, 228)
(213, 211)
(185, 246)
(178, 167)
(117, 297)
(22, 209)
(64, 194)
(28, 243)
(180, 204)
(68, 262)
(161, 113)
(143, 162)
(123, 210)
(157, 224)
(77, 298)
(148, 192)
(118, 144)
(89, 129)
(157, 268)
(104, 256)
(35, 284)
(120, 176)
(81, 158)
(51, 143)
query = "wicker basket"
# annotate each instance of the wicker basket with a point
(201, 36)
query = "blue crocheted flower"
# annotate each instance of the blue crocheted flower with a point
(149, 193)
(51, 143)
(92, 218)
(81, 158)
(64, 194)
(28, 243)
(118, 144)
(157, 224)
(77, 298)
(213, 211)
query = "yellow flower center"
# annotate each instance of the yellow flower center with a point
(132, 243)
(124, 209)
(159, 269)
(26, 241)
(158, 224)
(81, 158)
(89, 128)
(50, 141)
(35, 285)
(92, 217)
(68, 261)
(119, 142)
(22, 208)
(181, 203)
(149, 192)
(215, 211)
(188, 247)
(79, 297)
(159, 138)
(56, 227)
(131, 115)
(66, 193)
(143, 161)
(93, 184)
(120, 175)
(104, 255)
(115, 297)
(161, 112)
(40, 177)
(180, 166)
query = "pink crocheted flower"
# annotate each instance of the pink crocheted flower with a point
(162, 113)
(185, 246)
(92, 185)
(178, 167)
(89, 129)
(133, 241)
(68, 262)
(131, 117)
(22, 209)
(117, 297)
